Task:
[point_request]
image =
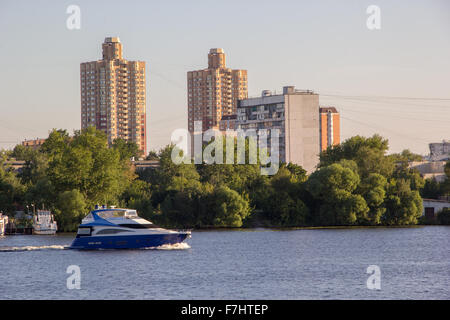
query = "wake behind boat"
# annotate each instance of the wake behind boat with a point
(114, 228)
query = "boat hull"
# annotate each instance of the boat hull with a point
(127, 242)
(44, 232)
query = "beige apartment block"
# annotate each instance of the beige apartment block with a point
(295, 114)
(213, 92)
(113, 95)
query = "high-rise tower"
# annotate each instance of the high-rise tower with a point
(113, 95)
(214, 92)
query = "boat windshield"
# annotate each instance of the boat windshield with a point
(43, 213)
(107, 214)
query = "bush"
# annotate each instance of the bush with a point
(443, 216)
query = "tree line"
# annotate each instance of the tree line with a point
(356, 183)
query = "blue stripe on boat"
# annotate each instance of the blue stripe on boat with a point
(127, 242)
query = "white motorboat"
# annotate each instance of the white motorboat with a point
(44, 223)
(3, 223)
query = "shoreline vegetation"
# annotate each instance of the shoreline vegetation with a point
(356, 185)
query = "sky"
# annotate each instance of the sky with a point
(394, 81)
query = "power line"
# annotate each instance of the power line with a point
(348, 109)
(384, 129)
(399, 103)
(384, 97)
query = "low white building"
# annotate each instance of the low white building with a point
(432, 206)
(430, 169)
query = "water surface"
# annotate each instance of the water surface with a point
(243, 264)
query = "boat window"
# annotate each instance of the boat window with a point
(84, 231)
(111, 214)
(139, 225)
(131, 214)
(110, 231)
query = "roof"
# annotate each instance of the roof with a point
(328, 109)
(436, 200)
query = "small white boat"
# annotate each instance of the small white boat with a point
(3, 223)
(44, 223)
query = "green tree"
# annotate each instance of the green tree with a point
(11, 189)
(20, 152)
(126, 149)
(71, 207)
(332, 188)
(282, 204)
(372, 189)
(403, 205)
(41, 193)
(297, 171)
(416, 181)
(227, 207)
(88, 165)
(177, 191)
(432, 189)
(152, 155)
(171, 175)
(443, 216)
(56, 142)
(182, 209)
(138, 196)
(368, 153)
(406, 156)
(35, 168)
(445, 185)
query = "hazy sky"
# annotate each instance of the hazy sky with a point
(375, 78)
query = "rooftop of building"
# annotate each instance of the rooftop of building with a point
(286, 90)
(269, 97)
(328, 110)
(444, 142)
(112, 39)
(216, 50)
(436, 200)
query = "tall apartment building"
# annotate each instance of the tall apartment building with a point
(295, 113)
(330, 127)
(113, 95)
(214, 92)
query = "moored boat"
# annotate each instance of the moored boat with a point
(44, 223)
(3, 223)
(114, 228)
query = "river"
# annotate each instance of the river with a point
(414, 263)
